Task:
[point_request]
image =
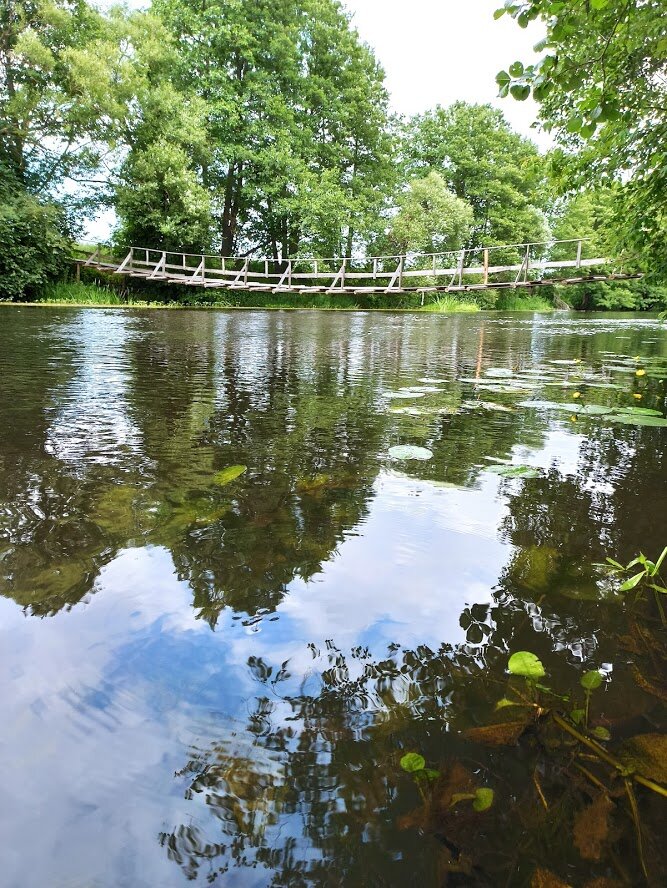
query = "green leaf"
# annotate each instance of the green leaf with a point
(499, 13)
(601, 733)
(632, 582)
(412, 762)
(573, 125)
(229, 474)
(483, 798)
(515, 471)
(591, 680)
(578, 715)
(503, 77)
(516, 69)
(501, 704)
(599, 4)
(519, 92)
(526, 664)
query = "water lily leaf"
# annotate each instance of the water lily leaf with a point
(527, 664)
(315, 482)
(640, 411)
(404, 393)
(229, 474)
(409, 411)
(409, 451)
(515, 471)
(629, 419)
(647, 755)
(483, 798)
(591, 680)
(413, 761)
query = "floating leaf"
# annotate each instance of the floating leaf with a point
(515, 471)
(591, 680)
(404, 393)
(627, 419)
(640, 411)
(483, 798)
(647, 755)
(229, 474)
(526, 664)
(408, 451)
(413, 761)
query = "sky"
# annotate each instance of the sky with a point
(433, 53)
(437, 51)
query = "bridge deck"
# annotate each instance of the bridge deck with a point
(516, 265)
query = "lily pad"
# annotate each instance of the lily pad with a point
(409, 451)
(404, 393)
(640, 411)
(515, 471)
(629, 419)
(225, 476)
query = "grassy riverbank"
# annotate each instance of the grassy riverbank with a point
(104, 295)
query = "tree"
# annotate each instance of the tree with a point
(296, 111)
(601, 87)
(430, 218)
(499, 173)
(59, 67)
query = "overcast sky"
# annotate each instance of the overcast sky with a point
(437, 51)
(433, 53)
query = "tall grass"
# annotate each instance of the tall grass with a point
(447, 303)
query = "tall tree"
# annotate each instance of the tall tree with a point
(296, 111)
(498, 172)
(602, 87)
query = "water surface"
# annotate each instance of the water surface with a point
(216, 683)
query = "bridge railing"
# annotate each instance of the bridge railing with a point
(502, 264)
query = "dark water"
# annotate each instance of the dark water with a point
(217, 682)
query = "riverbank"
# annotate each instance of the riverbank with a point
(94, 295)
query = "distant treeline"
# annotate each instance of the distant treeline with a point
(254, 127)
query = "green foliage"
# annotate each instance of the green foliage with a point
(526, 664)
(296, 122)
(430, 218)
(413, 761)
(600, 85)
(34, 244)
(226, 476)
(591, 680)
(499, 173)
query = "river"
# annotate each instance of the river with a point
(229, 606)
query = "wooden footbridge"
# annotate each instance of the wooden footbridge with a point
(479, 268)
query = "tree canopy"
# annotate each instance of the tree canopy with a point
(602, 87)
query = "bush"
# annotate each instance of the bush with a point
(34, 245)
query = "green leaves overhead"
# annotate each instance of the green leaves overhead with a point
(591, 680)
(605, 108)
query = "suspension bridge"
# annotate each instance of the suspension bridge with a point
(510, 265)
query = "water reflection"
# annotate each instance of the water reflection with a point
(359, 607)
